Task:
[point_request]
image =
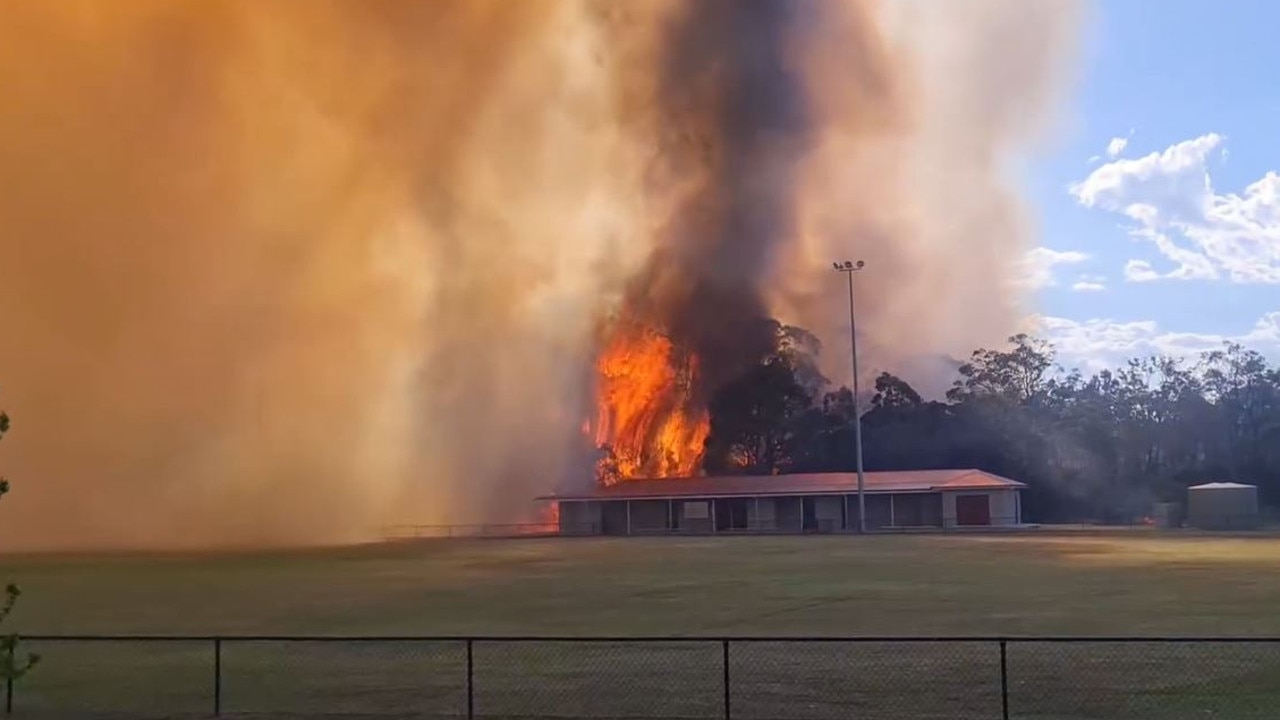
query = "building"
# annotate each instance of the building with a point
(817, 502)
(1223, 506)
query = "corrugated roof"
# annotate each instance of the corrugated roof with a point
(799, 484)
(1220, 486)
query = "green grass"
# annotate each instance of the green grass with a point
(1131, 584)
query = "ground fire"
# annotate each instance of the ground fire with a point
(648, 424)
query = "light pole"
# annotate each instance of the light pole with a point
(849, 267)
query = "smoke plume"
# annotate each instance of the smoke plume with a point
(287, 272)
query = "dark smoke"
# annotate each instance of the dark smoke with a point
(736, 116)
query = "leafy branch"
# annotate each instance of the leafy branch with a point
(10, 667)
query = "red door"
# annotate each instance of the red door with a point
(973, 510)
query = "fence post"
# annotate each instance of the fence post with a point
(471, 684)
(1004, 679)
(725, 663)
(217, 676)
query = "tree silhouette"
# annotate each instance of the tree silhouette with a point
(1101, 447)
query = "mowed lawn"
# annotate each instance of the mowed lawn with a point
(1138, 583)
(1126, 584)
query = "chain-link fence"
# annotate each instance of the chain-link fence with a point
(599, 678)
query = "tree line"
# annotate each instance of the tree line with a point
(1101, 447)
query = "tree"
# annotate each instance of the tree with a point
(760, 421)
(754, 421)
(10, 667)
(1246, 410)
(1090, 447)
(901, 430)
(893, 392)
(1017, 375)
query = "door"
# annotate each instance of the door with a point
(973, 510)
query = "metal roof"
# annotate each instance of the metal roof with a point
(1220, 486)
(905, 481)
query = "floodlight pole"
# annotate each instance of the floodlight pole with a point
(849, 268)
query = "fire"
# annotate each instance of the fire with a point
(547, 523)
(647, 421)
(551, 515)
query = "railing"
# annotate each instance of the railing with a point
(507, 530)
(792, 526)
(823, 527)
(675, 677)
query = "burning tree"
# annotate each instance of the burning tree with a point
(648, 421)
(660, 414)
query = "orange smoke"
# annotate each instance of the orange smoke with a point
(290, 271)
(647, 422)
(279, 273)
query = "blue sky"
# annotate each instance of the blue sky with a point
(1155, 246)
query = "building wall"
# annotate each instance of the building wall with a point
(763, 514)
(789, 517)
(932, 510)
(613, 517)
(580, 518)
(649, 516)
(696, 516)
(878, 512)
(779, 514)
(915, 510)
(828, 511)
(1004, 504)
(1223, 508)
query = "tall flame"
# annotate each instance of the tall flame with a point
(648, 423)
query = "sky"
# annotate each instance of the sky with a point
(1158, 202)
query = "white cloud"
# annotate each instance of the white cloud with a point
(1093, 345)
(1090, 283)
(1115, 147)
(1140, 271)
(1203, 234)
(1039, 263)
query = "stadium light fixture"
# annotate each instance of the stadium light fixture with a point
(849, 267)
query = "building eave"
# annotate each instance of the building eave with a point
(799, 485)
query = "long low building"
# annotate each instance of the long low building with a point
(816, 502)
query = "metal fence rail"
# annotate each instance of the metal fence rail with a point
(435, 532)
(998, 524)
(896, 678)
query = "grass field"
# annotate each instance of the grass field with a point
(1131, 584)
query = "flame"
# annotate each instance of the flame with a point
(547, 523)
(550, 515)
(647, 422)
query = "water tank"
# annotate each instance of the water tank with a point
(1222, 506)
